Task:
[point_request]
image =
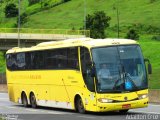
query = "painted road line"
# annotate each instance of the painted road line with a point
(34, 110)
(57, 113)
(4, 99)
(10, 107)
(145, 112)
(86, 117)
(154, 105)
(46, 111)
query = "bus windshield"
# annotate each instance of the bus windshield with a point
(119, 68)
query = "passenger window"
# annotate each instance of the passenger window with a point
(73, 58)
(37, 60)
(66, 58)
(61, 58)
(21, 61)
(12, 61)
(50, 59)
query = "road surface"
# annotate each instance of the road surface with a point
(12, 111)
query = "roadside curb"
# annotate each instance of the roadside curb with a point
(3, 88)
(154, 96)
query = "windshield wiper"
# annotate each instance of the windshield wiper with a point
(126, 77)
(111, 91)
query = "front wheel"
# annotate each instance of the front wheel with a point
(79, 105)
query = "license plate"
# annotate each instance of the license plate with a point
(126, 106)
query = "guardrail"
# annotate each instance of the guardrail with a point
(46, 31)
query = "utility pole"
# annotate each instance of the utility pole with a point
(117, 19)
(1, 11)
(85, 16)
(19, 20)
(41, 4)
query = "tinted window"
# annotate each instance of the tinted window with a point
(37, 60)
(11, 61)
(73, 58)
(66, 58)
(20, 61)
(50, 59)
(86, 68)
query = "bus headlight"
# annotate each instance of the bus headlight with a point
(105, 100)
(142, 96)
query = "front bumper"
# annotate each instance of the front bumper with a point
(104, 107)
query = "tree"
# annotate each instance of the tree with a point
(31, 2)
(132, 34)
(23, 18)
(1, 1)
(152, 1)
(97, 23)
(66, 0)
(11, 10)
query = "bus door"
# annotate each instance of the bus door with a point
(86, 73)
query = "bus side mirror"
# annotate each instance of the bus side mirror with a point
(149, 66)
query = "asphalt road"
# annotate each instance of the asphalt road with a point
(12, 111)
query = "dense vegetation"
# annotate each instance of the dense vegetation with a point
(2, 62)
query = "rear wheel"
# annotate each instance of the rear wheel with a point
(123, 111)
(79, 105)
(24, 100)
(33, 100)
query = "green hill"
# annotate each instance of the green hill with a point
(151, 50)
(71, 14)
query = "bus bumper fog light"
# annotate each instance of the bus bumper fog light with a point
(105, 100)
(142, 96)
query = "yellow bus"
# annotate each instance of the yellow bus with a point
(86, 74)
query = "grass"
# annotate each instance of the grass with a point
(10, 22)
(2, 62)
(71, 14)
(151, 50)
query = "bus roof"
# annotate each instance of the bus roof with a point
(87, 42)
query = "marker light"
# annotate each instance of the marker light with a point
(105, 100)
(142, 96)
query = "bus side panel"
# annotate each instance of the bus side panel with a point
(14, 93)
(11, 92)
(54, 88)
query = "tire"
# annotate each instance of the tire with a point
(79, 105)
(24, 100)
(123, 111)
(33, 101)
